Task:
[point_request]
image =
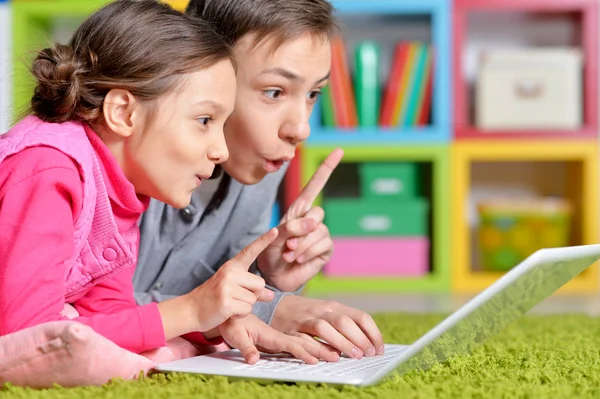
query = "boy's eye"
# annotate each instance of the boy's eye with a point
(273, 94)
(204, 120)
(314, 95)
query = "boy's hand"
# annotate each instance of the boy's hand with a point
(347, 329)
(232, 290)
(249, 335)
(304, 245)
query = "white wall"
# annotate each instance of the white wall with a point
(5, 69)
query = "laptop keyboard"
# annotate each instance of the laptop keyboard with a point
(343, 367)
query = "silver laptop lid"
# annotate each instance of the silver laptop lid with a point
(511, 296)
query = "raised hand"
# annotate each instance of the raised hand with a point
(304, 245)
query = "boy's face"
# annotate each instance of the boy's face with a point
(276, 93)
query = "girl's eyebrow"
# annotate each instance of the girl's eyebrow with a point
(213, 104)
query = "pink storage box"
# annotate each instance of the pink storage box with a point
(379, 256)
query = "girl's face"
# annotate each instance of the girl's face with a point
(276, 93)
(184, 139)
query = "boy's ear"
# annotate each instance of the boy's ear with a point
(120, 110)
(196, 8)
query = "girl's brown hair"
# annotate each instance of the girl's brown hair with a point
(140, 46)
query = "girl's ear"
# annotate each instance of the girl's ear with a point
(196, 7)
(120, 110)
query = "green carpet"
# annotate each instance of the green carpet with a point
(538, 356)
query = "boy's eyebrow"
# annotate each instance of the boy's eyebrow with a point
(324, 78)
(290, 75)
(284, 73)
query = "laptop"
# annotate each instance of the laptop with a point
(508, 298)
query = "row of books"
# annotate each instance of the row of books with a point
(352, 101)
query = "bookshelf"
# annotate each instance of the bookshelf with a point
(387, 14)
(387, 23)
(571, 154)
(471, 149)
(436, 157)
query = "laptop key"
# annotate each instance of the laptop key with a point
(344, 366)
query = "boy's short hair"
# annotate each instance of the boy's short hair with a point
(286, 19)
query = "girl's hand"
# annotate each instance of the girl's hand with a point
(232, 290)
(249, 334)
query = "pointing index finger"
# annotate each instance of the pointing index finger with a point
(319, 179)
(244, 259)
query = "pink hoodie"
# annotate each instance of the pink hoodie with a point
(68, 234)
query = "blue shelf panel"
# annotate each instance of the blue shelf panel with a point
(388, 6)
(378, 136)
(275, 215)
(442, 78)
(430, 134)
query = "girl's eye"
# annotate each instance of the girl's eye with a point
(314, 95)
(273, 94)
(204, 120)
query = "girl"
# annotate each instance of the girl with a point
(132, 108)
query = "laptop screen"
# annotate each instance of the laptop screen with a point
(511, 296)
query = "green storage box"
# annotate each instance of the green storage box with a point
(360, 217)
(389, 180)
(511, 230)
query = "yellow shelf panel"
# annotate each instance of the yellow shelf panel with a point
(582, 186)
(177, 4)
(535, 150)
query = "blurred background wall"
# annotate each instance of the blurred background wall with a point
(470, 129)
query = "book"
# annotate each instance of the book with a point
(392, 89)
(416, 94)
(408, 75)
(366, 83)
(425, 108)
(344, 105)
(327, 110)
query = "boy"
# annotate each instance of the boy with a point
(283, 60)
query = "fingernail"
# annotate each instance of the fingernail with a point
(357, 353)
(371, 352)
(381, 350)
(289, 256)
(307, 225)
(292, 243)
(268, 294)
(301, 259)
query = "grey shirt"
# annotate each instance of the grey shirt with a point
(179, 250)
